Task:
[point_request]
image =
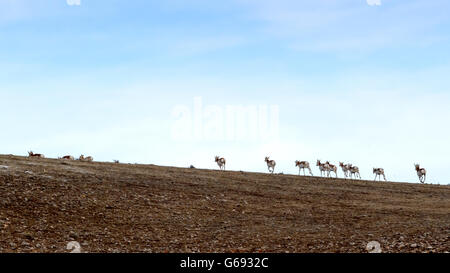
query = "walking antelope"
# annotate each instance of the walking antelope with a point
(270, 164)
(303, 165)
(345, 168)
(379, 172)
(87, 159)
(31, 154)
(354, 170)
(322, 167)
(331, 168)
(421, 173)
(221, 162)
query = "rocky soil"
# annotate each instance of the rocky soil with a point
(107, 207)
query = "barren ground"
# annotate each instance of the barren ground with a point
(106, 207)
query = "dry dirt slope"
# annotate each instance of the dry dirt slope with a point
(45, 203)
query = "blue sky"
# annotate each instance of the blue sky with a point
(353, 82)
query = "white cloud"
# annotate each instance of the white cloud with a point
(197, 45)
(73, 2)
(298, 23)
(374, 2)
(369, 118)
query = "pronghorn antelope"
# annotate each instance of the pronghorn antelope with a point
(303, 165)
(322, 167)
(354, 170)
(221, 162)
(67, 157)
(87, 159)
(421, 173)
(345, 168)
(270, 164)
(379, 172)
(116, 161)
(31, 154)
(330, 168)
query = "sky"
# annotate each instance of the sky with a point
(177, 82)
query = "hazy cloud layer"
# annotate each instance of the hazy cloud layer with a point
(353, 82)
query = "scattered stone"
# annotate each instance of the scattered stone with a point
(73, 235)
(110, 208)
(28, 236)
